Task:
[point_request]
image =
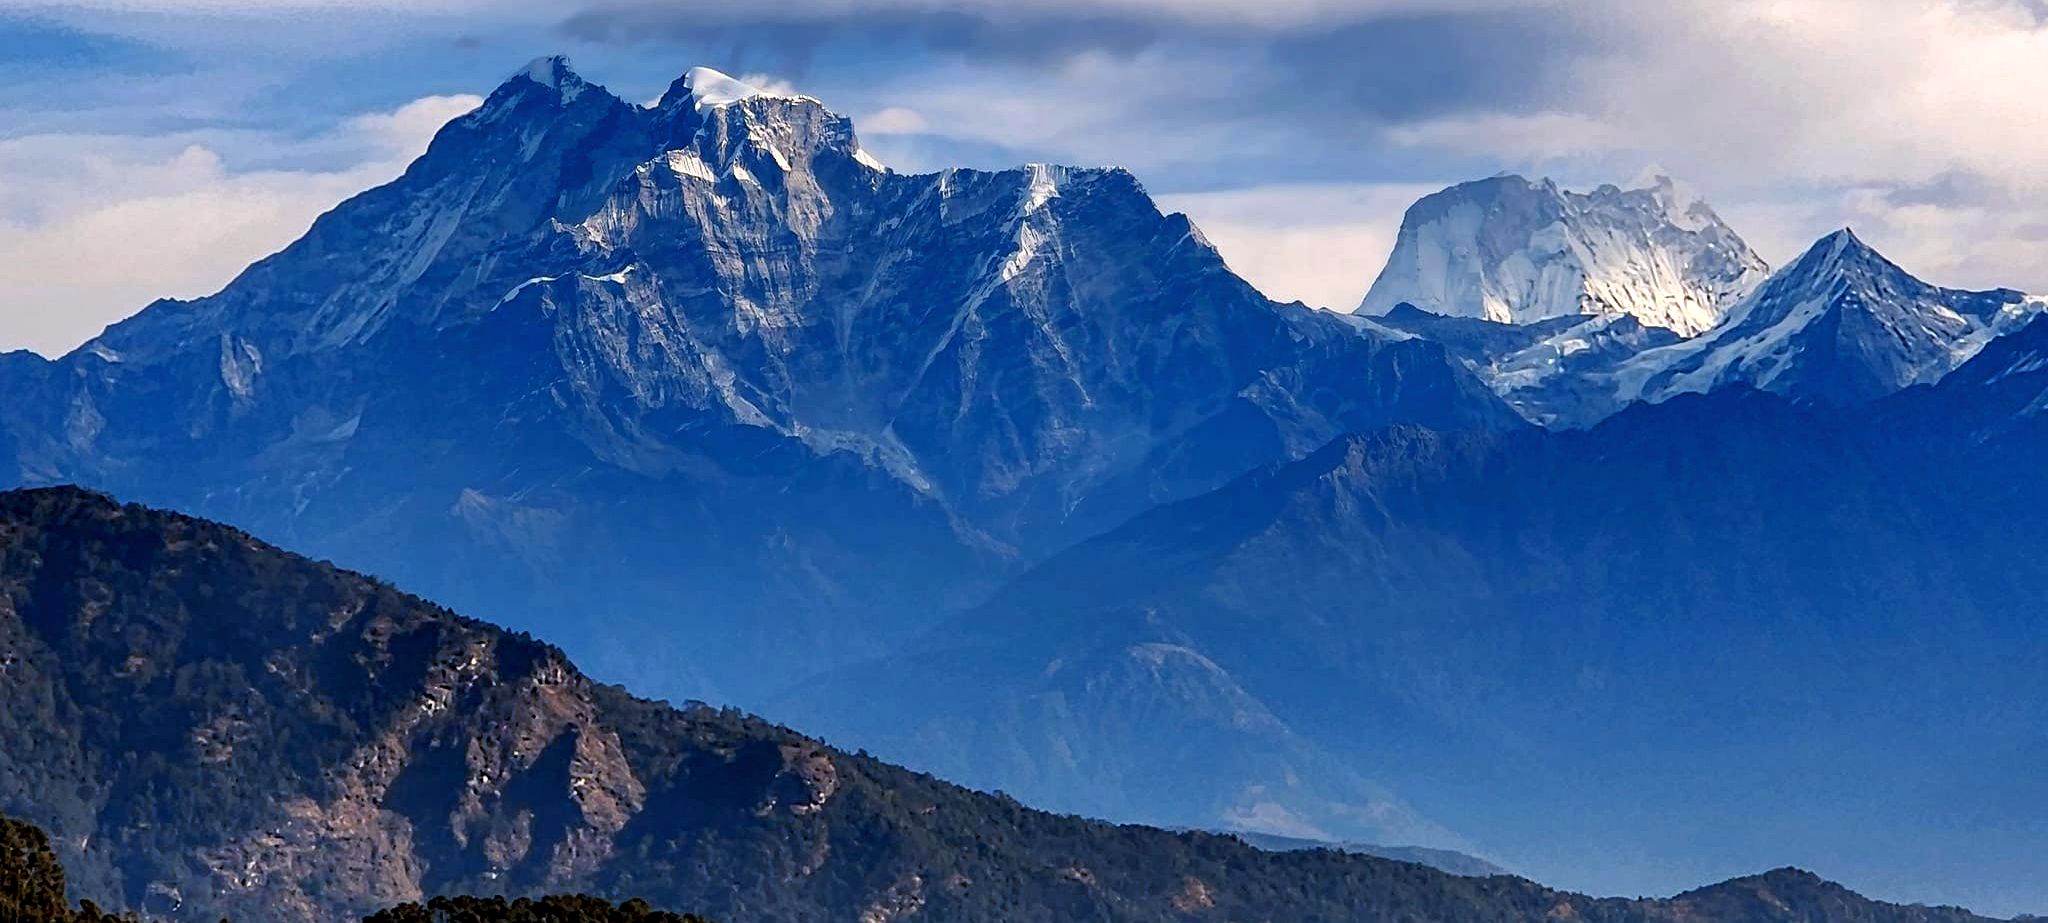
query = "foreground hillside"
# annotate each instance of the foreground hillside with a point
(210, 726)
(32, 890)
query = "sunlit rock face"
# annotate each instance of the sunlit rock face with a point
(1512, 250)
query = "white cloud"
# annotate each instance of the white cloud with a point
(1796, 117)
(1820, 108)
(1995, 244)
(1801, 113)
(1540, 136)
(403, 133)
(1835, 90)
(1320, 244)
(94, 227)
(771, 84)
(1092, 109)
(894, 120)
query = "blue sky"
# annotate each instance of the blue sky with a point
(154, 147)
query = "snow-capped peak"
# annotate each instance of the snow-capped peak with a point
(1842, 324)
(710, 87)
(554, 72)
(1840, 244)
(1839, 261)
(1513, 250)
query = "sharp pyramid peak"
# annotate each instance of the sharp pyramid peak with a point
(1840, 249)
(1840, 237)
(555, 73)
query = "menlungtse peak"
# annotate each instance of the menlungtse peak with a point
(1518, 251)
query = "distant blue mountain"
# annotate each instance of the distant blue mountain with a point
(1724, 626)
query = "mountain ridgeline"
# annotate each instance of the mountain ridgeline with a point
(1574, 306)
(707, 369)
(1592, 546)
(210, 726)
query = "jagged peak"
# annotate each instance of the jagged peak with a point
(1842, 239)
(710, 88)
(555, 73)
(1838, 268)
(1677, 202)
(1515, 250)
(1838, 253)
(543, 83)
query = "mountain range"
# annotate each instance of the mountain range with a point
(1721, 603)
(1840, 325)
(207, 725)
(1591, 546)
(705, 368)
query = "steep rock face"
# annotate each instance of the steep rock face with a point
(1841, 325)
(207, 725)
(611, 369)
(1512, 250)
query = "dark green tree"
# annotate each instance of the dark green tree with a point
(31, 880)
(576, 908)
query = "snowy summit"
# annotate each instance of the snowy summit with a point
(555, 73)
(1513, 250)
(710, 87)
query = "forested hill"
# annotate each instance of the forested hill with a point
(32, 891)
(209, 726)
